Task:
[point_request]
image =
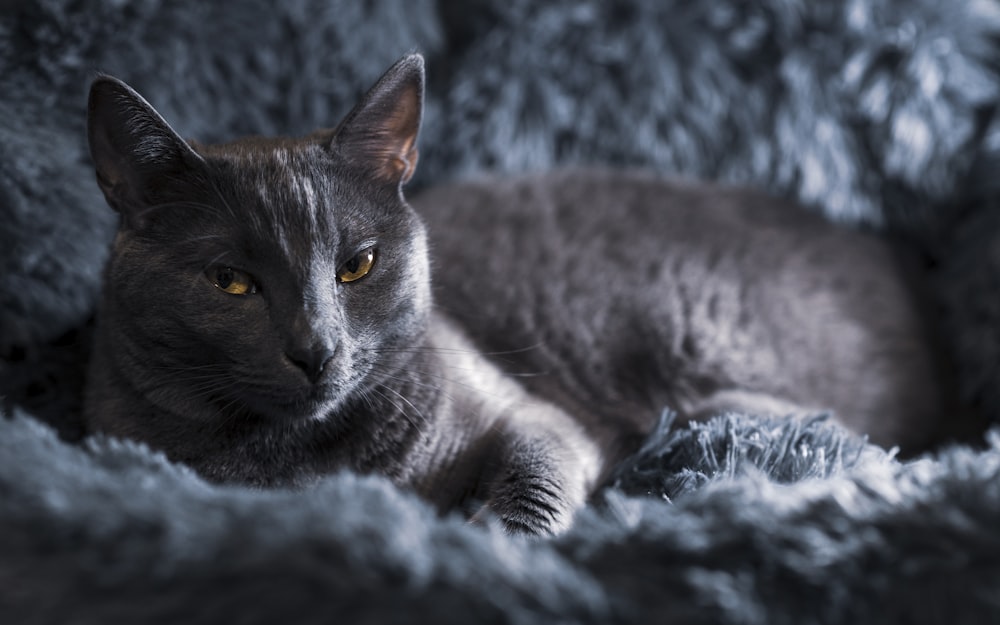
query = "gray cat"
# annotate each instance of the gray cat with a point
(267, 314)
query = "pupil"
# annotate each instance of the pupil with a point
(224, 278)
(353, 264)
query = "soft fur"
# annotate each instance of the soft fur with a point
(876, 111)
(266, 319)
(769, 523)
(618, 293)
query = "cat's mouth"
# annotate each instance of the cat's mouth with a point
(314, 403)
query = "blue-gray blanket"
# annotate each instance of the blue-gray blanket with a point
(879, 113)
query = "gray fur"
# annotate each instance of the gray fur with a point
(719, 90)
(622, 293)
(111, 532)
(305, 375)
(769, 522)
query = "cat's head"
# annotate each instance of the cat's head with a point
(273, 277)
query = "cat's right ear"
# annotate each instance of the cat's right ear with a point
(135, 152)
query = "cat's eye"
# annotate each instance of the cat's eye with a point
(232, 281)
(358, 266)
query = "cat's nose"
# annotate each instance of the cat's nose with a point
(312, 360)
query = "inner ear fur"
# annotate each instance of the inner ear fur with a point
(380, 133)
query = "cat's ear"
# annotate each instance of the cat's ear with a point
(381, 132)
(135, 152)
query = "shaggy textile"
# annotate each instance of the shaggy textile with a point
(877, 112)
(113, 533)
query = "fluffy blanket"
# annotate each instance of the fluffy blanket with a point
(878, 112)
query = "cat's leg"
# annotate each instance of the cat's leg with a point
(540, 470)
(532, 464)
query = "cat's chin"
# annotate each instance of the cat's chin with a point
(314, 407)
(321, 410)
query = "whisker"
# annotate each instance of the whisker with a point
(407, 401)
(470, 368)
(444, 378)
(401, 410)
(431, 348)
(203, 237)
(222, 198)
(434, 387)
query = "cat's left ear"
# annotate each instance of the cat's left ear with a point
(380, 133)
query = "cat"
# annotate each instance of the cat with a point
(268, 315)
(266, 318)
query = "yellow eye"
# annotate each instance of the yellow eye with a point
(358, 267)
(232, 281)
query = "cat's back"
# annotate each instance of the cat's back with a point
(621, 293)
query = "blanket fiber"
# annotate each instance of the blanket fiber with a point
(878, 113)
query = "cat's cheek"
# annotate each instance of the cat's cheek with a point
(236, 331)
(385, 322)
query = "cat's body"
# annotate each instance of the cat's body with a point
(267, 314)
(617, 294)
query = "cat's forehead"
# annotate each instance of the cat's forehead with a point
(282, 168)
(286, 194)
(289, 180)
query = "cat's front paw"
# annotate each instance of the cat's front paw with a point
(537, 506)
(537, 511)
(537, 471)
